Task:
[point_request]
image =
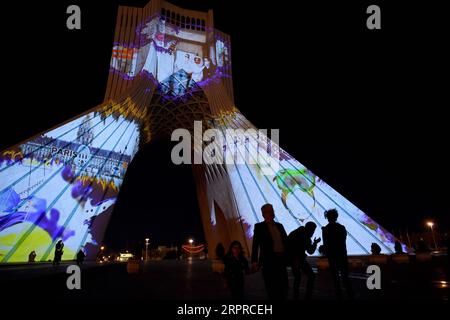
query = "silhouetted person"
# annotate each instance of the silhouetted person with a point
(447, 244)
(58, 252)
(398, 248)
(236, 266)
(299, 242)
(205, 251)
(334, 238)
(375, 249)
(80, 257)
(220, 251)
(269, 253)
(32, 256)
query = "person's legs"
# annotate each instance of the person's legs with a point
(276, 278)
(268, 274)
(239, 289)
(306, 269)
(334, 272)
(345, 278)
(285, 282)
(281, 280)
(236, 289)
(297, 278)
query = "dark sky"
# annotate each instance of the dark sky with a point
(364, 110)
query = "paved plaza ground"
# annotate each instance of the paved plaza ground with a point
(194, 280)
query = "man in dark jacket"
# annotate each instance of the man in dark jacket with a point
(299, 242)
(334, 241)
(269, 252)
(58, 252)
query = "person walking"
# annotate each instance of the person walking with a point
(334, 240)
(236, 267)
(269, 253)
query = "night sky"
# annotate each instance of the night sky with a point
(364, 110)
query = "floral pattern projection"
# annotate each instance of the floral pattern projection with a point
(297, 194)
(63, 185)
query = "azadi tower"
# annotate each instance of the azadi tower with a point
(169, 68)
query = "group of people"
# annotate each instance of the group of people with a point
(59, 253)
(273, 250)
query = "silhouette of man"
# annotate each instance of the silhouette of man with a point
(299, 242)
(398, 248)
(334, 237)
(80, 257)
(269, 253)
(32, 256)
(58, 252)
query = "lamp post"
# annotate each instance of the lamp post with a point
(147, 240)
(191, 244)
(431, 224)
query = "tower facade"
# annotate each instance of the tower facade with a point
(170, 69)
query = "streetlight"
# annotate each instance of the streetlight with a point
(147, 240)
(102, 248)
(431, 224)
(191, 241)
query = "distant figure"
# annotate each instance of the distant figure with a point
(220, 251)
(299, 242)
(205, 251)
(236, 266)
(80, 257)
(269, 253)
(58, 252)
(447, 244)
(398, 248)
(179, 251)
(375, 249)
(334, 237)
(32, 257)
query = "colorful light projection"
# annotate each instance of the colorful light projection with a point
(166, 49)
(63, 185)
(297, 194)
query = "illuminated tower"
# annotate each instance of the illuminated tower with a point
(169, 68)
